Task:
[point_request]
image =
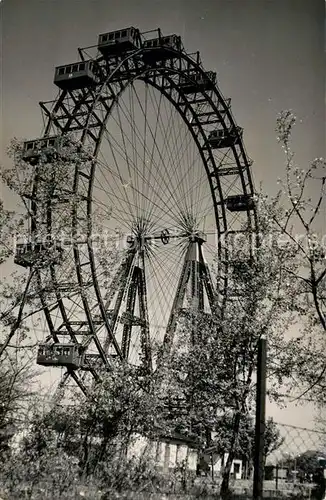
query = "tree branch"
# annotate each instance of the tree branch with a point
(17, 323)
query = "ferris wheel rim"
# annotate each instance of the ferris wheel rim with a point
(207, 97)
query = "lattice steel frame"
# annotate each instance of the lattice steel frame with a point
(86, 111)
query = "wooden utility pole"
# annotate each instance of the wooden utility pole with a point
(259, 459)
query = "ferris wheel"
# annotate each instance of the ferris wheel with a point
(166, 172)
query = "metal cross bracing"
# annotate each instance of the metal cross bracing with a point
(195, 273)
(97, 101)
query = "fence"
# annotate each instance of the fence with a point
(299, 461)
(293, 462)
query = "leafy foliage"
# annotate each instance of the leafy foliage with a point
(302, 228)
(88, 442)
(207, 385)
(16, 378)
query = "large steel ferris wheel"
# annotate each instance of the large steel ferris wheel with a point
(168, 166)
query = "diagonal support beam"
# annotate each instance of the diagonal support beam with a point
(143, 309)
(196, 276)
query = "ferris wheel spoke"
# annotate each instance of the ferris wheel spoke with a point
(161, 309)
(173, 256)
(184, 179)
(145, 138)
(179, 197)
(119, 198)
(163, 255)
(160, 157)
(115, 198)
(173, 151)
(124, 193)
(152, 188)
(166, 149)
(121, 214)
(189, 141)
(126, 157)
(202, 211)
(99, 203)
(120, 181)
(117, 189)
(134, 136)
(162, 276)
(136, 130)
(151, 159)
(174, 160)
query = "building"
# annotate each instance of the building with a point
(169, 452)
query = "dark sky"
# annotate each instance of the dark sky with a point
(269, 56)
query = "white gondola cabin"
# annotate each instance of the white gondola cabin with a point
(240, 203)
(119, 42)
(48, 147)
(197, 82)
(59, 355)
(162, 48)
(222, 138)
(37, 254)
(76, 76)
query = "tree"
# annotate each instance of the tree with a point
(11, 286)
(88, 440)
(278, 282)
(16, 374)
(302, 226)
(44, 183)
(306, 464)
(273, 438)
(245, 446)
(40, 467)
(216, 372)
(27, 181)
(124, 405)
(16, 378)
(305, 193)
(209, 380)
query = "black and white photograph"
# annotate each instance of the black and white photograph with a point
(163, 250)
